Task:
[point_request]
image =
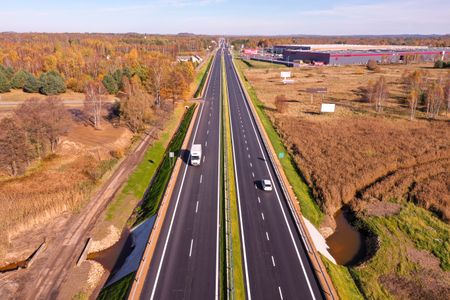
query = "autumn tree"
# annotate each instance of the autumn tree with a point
(281, 103)
(447, 94)
(413, 100)
(135, 107)
(157, 76)
(93, 100)
(44, 121)
(15, 149)
(57, 121)
(378, 93)
(434, 99)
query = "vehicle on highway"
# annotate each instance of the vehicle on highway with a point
(266, 185)
(196, 154)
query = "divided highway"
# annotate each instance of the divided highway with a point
(185, 264)
(276, 264)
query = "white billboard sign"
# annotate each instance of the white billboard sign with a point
(285, 75)
(328, 108)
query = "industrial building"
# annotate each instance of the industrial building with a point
(359, 54)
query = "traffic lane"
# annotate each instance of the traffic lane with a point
(203, 258)
(179, 242)
(262, 280)
(284, 212)
(280, 259)
(185, 235)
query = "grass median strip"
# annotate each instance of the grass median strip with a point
(200, 80)
(236, 263)
(309, 207)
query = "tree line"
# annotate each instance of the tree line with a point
(32, 132)
(80, 58)
(422, 92)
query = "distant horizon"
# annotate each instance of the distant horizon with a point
(229, 17)
(236, 35)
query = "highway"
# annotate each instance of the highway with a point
(275, 262)
(185, 264)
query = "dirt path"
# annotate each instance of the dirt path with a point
(43, 279)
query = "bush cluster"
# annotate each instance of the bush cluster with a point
(49, 83)
(440, 64)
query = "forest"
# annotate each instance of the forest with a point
(51, 63)
(140, 70)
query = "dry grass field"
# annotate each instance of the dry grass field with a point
(59, 184)
(393, 173)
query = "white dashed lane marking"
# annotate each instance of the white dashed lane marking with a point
(190, 250)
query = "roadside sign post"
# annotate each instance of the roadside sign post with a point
(171, 156)
(320, 90)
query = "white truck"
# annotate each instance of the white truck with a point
(196, 154)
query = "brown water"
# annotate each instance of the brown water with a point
(346, 242)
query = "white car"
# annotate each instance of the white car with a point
(266, 185)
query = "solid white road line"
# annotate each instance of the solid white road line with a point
(276, 190)
(190, 250)
(176, 205)
(273, 261)
(217, 296)
(196, 207)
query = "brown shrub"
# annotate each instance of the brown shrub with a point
(372, 65)
(281, 103)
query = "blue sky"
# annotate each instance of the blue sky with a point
(228, 16)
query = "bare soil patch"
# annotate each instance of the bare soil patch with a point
(428, 281)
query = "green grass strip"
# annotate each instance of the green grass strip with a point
(238, 274)
(309, 207)
(153, 196)
(342, 280)
(118, 290)
(203, 74)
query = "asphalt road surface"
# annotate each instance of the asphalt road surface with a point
(185, 264)
(276, 265)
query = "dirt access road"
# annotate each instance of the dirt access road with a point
(43, 279)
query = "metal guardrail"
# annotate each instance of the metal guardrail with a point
(284, 189)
